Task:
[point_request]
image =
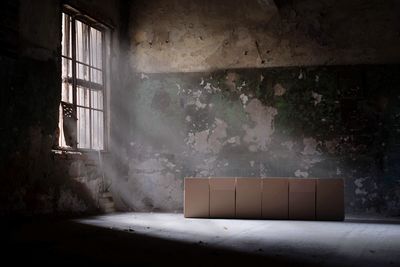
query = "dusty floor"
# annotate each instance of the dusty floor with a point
(158, 238)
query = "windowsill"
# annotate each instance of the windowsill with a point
(66, 153)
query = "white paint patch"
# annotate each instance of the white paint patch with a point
(310, 146)
(209, 141)
(200, 141)
(317, 98)
(170, 165)
(218, 134)
(206, 168)
(198, 103)
(310, 153)
(300, 173)
(359, 182)
(197, 94)
(235, 141)
(301, 76)
(259, 137)
(309, 162)
(211, 89)
(207, 87)
(244, 98)
(263, 171)
(231, 140)
(179, 88)
(144, 76)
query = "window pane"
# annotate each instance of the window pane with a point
(96, 48)
(66, 92)
(61, 139)
(82, 72)
(66, 68)
(97, 130)
(97, 76)
(83, 128)
(82, 98)
(97, 99)
(82, 42)
(66, 40)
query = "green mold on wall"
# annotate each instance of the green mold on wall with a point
(338, 121)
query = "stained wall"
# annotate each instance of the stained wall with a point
(262, 89)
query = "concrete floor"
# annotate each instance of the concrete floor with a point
(349, 243)
(160, 238)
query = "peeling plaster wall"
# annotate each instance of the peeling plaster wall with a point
(323, 122)
(34, 179)
(205, 102)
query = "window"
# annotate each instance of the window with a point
(82, 121)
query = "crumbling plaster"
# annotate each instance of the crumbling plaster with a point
(248, 91)
(288, 134)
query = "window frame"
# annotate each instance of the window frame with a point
(106, 31)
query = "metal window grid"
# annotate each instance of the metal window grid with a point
(78, 58)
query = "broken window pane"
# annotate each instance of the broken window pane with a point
(69, 124)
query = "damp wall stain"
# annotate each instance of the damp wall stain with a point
(193, 36)
(323, 122)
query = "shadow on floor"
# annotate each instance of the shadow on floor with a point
(66, 242)
(374, 221)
